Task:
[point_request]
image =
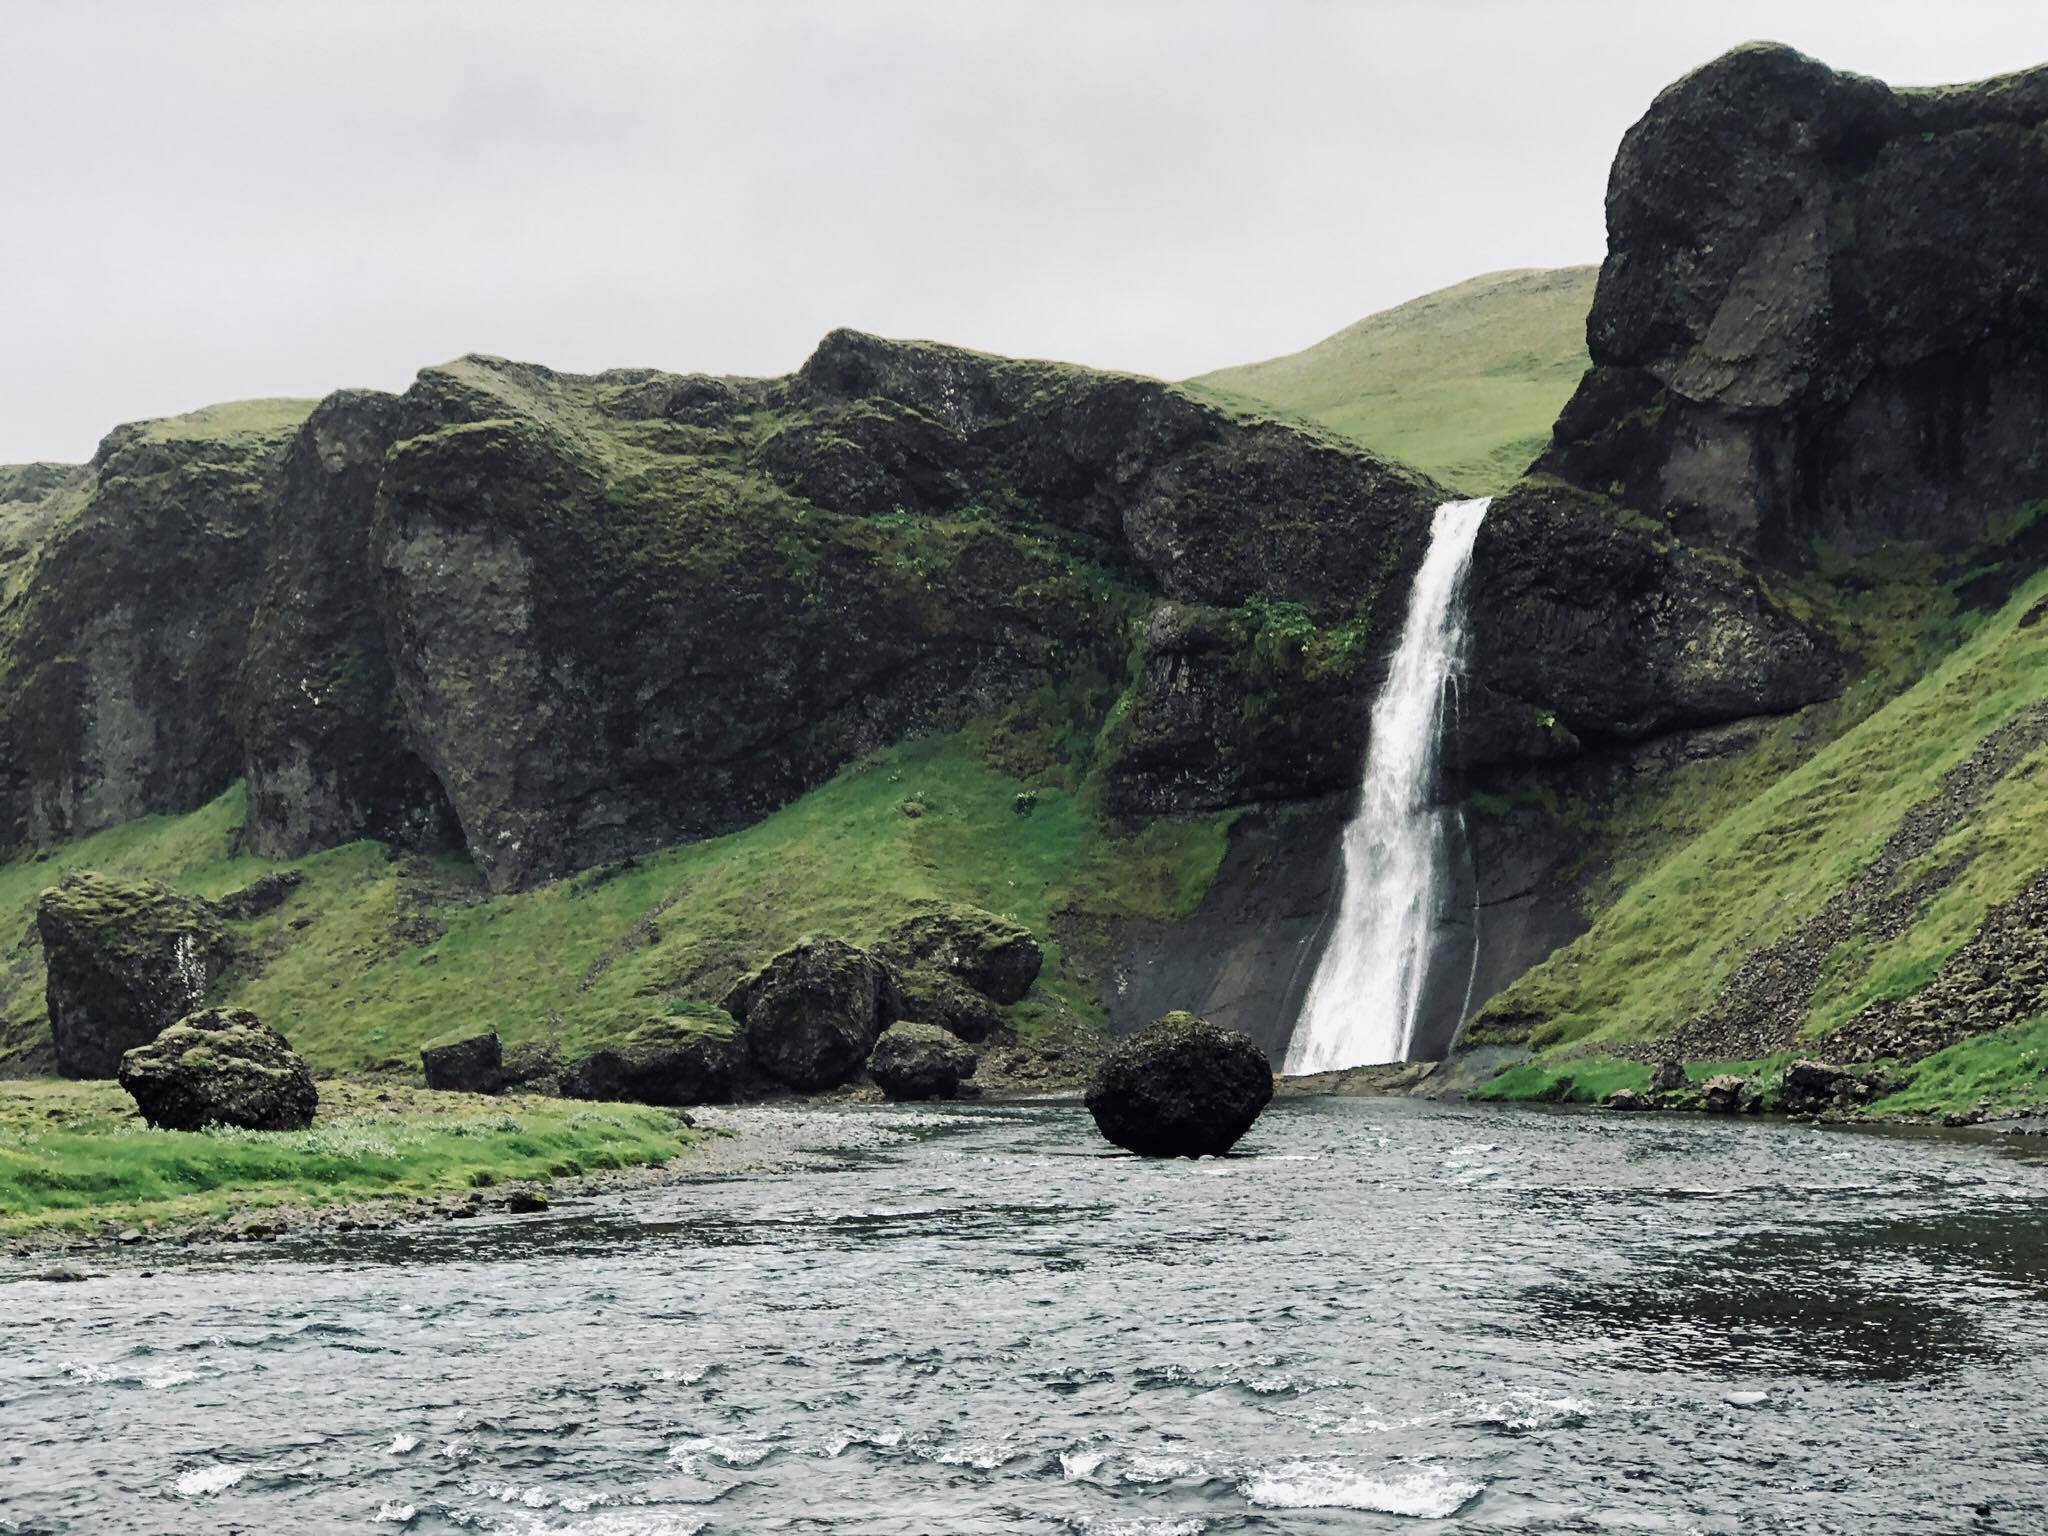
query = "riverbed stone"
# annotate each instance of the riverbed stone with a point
(995, 956)
(920, 1061)
(220, 1066)
(1180, 1087)
(125, 959)
(470, 1061)
(814, 1012)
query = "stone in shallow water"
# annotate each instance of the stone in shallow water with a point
(220, 1066)
(1180, 1087)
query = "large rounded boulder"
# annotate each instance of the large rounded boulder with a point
(996, 957)
(125, 959)
(1180, 1087)
(466, 1061)
(920, 1061)
(813, 1013)
(220, 1066)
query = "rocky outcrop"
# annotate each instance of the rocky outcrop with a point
(1730, 1093)
(813, 1013)
(1180, 1087)
(1823, 309)
(467, 1062)
(125, 960)
(1820, 1088)
(126, 607)
(920, 1061)
(220, 1066)
(996, 957)
(327, 753)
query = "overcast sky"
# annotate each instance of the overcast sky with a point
(213, 201)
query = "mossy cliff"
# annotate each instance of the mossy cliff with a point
(1754, 729)
(1028, 636)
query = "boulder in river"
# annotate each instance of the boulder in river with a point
(467, 1061)
(996, 957)
(125, 960)
(1180, 1087)
(920, 1061)
(813, 1013)
(220, 1066)
(1628, 1098)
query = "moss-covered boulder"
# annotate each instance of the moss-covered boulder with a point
(220, 1066)
(937, 997)
(125, 960)
(466, 1061)
(670, 1061)
(1180, 1087)
(920, 1061)
(813, 1013)
(996, 957)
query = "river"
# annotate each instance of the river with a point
(1383, 1313)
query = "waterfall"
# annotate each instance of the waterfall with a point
(1362, 1004)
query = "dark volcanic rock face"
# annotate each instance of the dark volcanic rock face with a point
(125, 961)
(1824, 309)
(328, 756)
(220, 1066)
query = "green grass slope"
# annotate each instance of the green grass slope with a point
(1464, 382)
(1784, 842)
(376, 953)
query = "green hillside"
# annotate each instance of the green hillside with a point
(1464, 382)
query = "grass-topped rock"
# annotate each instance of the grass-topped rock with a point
(1180, 1087)
(125, 960)
(812, 1014)
(220, 1066)
(938, 997)
(673, 1061)
(998, 958)
(920, 1061)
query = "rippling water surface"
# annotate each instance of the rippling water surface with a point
(1382, 1314)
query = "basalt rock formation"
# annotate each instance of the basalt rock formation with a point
(919, 1061)
(812, 1014)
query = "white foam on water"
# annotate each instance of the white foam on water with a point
(391, 1512)
(1145, 1469)
(1423, 1493)
(982, 1455)
(204, 1482)
(619, 1522)
(402, 1445)
(691, 1454)
(1076, 1466)
(79, 1370)
(1745, 1399)
(1097, 1525)
(158, 1381)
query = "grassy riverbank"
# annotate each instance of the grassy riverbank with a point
(74, 1154)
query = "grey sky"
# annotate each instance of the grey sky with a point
(207, 201)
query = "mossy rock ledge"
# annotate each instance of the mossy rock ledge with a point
(1180, 1087)
(220, 1066)
(996, 957)
(125, 960)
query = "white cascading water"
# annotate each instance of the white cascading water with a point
(1361, 1006)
